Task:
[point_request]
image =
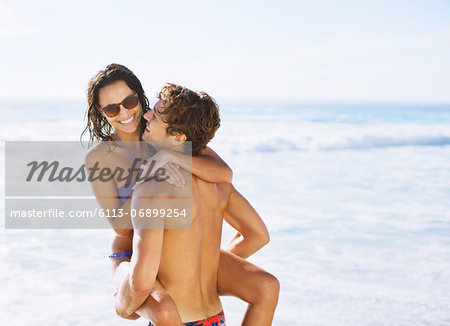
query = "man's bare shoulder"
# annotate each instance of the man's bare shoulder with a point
(166, 200)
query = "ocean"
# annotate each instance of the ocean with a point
(355, 196)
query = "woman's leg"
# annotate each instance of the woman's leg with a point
(242, 279)
(159, 307)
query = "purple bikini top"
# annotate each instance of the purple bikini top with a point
(125, 191)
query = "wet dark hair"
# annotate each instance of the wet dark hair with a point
(194, 114)
(97, 125)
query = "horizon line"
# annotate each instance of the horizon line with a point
(284, 101)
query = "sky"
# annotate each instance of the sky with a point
(324, 50)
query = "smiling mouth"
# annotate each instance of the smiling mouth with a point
(127, 121)
(147, 128)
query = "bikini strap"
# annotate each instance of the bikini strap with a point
(126, 148)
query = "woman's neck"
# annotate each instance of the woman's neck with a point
(123, 136)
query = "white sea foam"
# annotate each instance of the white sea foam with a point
(307, 136)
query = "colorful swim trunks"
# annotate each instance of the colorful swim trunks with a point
(217, 320)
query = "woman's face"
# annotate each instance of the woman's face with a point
(126, 121)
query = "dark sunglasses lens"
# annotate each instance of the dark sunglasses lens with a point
(130, 102)
(111, 110)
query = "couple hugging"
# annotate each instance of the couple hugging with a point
(174, 276)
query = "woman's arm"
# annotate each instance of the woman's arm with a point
(252, 233)
(208, 166)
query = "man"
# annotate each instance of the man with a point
(185, 260)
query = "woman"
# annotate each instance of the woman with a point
(116, 104)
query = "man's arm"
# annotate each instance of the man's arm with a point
(252, 233)
(136, 280)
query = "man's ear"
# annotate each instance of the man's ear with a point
(180, 137)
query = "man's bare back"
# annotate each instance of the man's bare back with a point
(190, 257)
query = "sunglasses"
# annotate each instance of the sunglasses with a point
(129, 102)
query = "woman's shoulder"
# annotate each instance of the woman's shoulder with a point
(101, 153)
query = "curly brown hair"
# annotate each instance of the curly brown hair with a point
(97, 125)
(195, 114)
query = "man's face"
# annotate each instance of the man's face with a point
(156, 128)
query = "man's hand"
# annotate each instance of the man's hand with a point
(134, 315)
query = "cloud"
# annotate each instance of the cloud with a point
(9, 28)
